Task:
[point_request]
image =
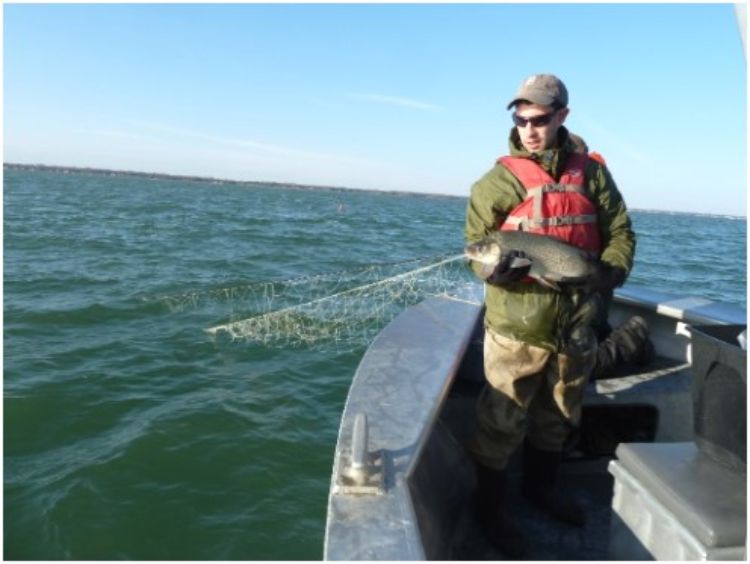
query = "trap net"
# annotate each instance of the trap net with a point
(346, 308)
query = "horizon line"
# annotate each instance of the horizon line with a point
(170, 176)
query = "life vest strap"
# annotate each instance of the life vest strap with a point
(525, 223)
(537, 193)
(546, 188)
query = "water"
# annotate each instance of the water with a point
(131, 432)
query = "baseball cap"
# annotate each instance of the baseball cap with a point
(543, 89)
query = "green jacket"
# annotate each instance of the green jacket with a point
(530, 312)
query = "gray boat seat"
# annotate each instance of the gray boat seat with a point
(679, 503)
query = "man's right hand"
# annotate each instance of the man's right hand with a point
(504, 273)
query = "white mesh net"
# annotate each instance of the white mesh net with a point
(345, 308)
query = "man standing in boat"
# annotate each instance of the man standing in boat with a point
(540, 344)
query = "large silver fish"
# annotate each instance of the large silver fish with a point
(552, 261)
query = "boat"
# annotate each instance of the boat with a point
(658, 463)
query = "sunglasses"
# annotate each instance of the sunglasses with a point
(536, 121)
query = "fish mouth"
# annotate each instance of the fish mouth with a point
(472, 250)
(480, 253)
(480, 259)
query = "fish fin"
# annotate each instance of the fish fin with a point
(520, 262)
(551, 284)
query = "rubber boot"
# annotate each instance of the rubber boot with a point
(628, 344)
(491, 504)
(633, 341)
(540, 472)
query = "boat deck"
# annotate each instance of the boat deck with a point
(547, 539)
(584, 477)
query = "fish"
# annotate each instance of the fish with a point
(553, 262)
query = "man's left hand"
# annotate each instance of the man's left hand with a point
(606, 277)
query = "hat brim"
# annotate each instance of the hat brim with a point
(540, 98)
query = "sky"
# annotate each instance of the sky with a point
(378, 96)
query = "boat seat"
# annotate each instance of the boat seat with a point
(678, 502)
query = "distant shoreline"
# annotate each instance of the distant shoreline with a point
(213, 180)
(271, 184)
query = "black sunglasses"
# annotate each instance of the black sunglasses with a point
(535, 121)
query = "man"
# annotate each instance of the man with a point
(540, 345)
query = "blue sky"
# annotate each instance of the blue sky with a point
(391, 97)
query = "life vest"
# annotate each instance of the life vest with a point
(560, 208)
(594, 156)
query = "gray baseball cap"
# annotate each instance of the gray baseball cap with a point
(543, 89)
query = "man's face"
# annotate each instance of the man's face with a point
(540, 136)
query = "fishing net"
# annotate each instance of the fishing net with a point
(346, 308)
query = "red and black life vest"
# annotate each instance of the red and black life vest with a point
(560, 208)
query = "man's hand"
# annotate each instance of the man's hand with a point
(505, 273)
(606, 277)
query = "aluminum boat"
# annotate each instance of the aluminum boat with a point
(658, 462)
